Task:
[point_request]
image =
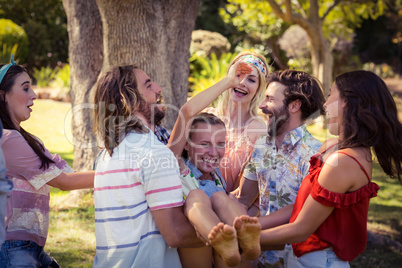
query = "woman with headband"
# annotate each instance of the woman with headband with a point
(203, 140)
(238, 108)
(33, 169)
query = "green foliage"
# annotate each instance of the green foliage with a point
(45, 23)
(6, 52)
(257, 19)
(62, 78)
(205, 72)
(347, 16)
(208, 17)
(44, 75)
(10, 35)
(302, 63)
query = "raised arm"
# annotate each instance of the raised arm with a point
(179, 134)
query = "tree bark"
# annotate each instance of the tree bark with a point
(272, 42)
(86, 57)
(156, 35)
(321, 52)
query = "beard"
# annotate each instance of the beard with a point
(152, 112)
(158, 113)
(278, 120)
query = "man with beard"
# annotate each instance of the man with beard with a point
(280, 159)
(139, 220)
(152, 95)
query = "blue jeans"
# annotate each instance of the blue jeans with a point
(19, 253)
(317, 259)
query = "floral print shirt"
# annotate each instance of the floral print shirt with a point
(280, 171)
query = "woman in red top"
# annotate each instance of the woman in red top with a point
(328, 222)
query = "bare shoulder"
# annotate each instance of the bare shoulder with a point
(328, 144)
(341, 173)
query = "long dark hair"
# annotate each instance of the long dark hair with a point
(5, 86)
(370, 119)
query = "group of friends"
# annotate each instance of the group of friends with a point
(243, 184)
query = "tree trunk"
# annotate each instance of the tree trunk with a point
(322, 63)
(156, 35)
(86, 57)
(321, 54)
(272, 43)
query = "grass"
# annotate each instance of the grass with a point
(51, 122)
(71, 237)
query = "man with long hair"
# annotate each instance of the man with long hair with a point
(139, 220)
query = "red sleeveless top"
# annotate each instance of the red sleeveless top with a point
(345, 229)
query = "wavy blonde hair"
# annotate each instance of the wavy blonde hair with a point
(256, 100)
(117, 98)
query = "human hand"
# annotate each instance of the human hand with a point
(235, 193)
(237, 70)
(203, 240)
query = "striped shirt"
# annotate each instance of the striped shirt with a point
(142, 175)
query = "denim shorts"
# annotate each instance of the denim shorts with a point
(19, 253)
(317, 259)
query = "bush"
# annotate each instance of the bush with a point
(45, 24)
(12, 34)
(62, 78)
(205, 43)
(42, 45)
(6, 52)
(44, 75)
(205, 72)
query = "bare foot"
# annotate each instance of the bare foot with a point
(248, 233)
(223, 239)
